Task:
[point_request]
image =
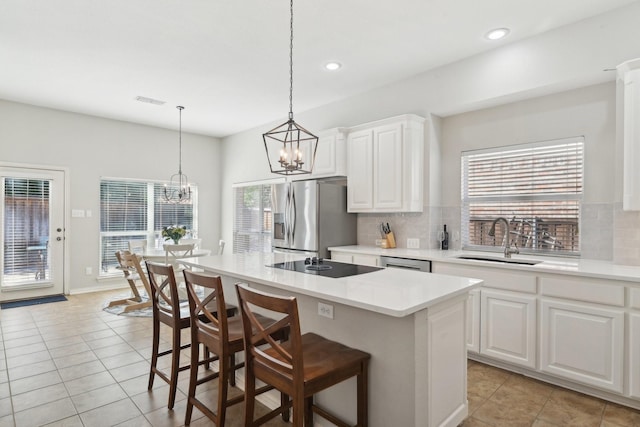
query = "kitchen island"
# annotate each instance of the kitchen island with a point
(412, 323)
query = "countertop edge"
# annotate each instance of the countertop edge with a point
(552, 265)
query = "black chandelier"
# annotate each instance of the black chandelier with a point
(291, 149)
(178, 190)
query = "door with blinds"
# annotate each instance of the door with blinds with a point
(32, 234)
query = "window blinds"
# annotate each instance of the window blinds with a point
(26, 229)
(538, 187)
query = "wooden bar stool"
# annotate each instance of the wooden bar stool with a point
(301, 367)
(221, 335)
(168, 311)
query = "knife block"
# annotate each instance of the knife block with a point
(391, 240)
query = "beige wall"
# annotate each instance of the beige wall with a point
(92, 148)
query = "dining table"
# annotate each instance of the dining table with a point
(158, 255)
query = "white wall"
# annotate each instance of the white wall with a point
(92, 148)
(567, 58)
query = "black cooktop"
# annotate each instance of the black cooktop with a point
(326, 268)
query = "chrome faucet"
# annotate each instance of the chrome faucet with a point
(508, 250)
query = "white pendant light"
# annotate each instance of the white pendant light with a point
(287, 144)
(178, 190)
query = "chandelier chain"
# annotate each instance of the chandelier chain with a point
(291, 62)
(180, 141)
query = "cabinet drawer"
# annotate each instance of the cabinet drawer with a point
(634, 298)
(493, 278)
(582, 289)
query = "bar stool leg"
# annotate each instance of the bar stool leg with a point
(154, 352)
(193, 380)
(363, 396)
(175, 366)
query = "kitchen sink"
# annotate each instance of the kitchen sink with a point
(497, 259)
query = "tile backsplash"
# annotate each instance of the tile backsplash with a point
(606, 231)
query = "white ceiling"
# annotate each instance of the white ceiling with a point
(227, 61)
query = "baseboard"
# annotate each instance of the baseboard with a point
(106, 287)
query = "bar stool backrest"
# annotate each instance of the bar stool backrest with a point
(289, 361)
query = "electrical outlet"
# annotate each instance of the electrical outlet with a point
(325, 310)
(88, 271)
(413, 243)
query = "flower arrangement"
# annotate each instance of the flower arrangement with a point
(174, 232)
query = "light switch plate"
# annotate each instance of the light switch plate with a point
(413, 243)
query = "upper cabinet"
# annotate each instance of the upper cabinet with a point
(629, 74)
(331, 155)
(385, 165)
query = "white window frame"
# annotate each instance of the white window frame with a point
(150, 234)
(242, 228)
(508, 194)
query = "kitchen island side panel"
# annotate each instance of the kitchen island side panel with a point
(406, 355)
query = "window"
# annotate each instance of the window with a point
(252, 222)
(135, 210)
(537, 187)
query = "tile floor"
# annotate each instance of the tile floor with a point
(72, 364)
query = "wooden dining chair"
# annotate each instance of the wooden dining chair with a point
(220, 335)
(303, 366)
(130, 265)
(167, 310)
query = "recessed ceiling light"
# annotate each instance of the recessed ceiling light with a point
(332, 66)
(497, 34)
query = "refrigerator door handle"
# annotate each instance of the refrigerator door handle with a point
(287, 216)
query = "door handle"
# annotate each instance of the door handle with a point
(58, 238)
(293, 214)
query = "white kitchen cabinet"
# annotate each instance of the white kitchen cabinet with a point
(341, 257)
(360, 259)
(629, 74)
(473, 321)
(634, 355)
(582, 342)
(633, 337)
(385, 166)
(331, 155)
(360, 171)
(371, 260)
(508, 330)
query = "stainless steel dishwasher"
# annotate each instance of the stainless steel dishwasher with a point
(406, 263)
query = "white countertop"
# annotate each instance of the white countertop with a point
(393, 292)
(567, 266)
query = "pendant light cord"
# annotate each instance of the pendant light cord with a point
(180, 108)
(291, 63)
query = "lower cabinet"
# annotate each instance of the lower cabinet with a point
(508, 323)
(360, 259)
(370, 260)
(473, 321)
(634, 355)
(583, 342)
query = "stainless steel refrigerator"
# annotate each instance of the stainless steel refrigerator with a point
(309, 216)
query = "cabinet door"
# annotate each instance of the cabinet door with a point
(473, 321)
(508, 329)
(634, 355)
(362, 259)
(360, 171)
(387, 169)
(583, 343)
(341, 257)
